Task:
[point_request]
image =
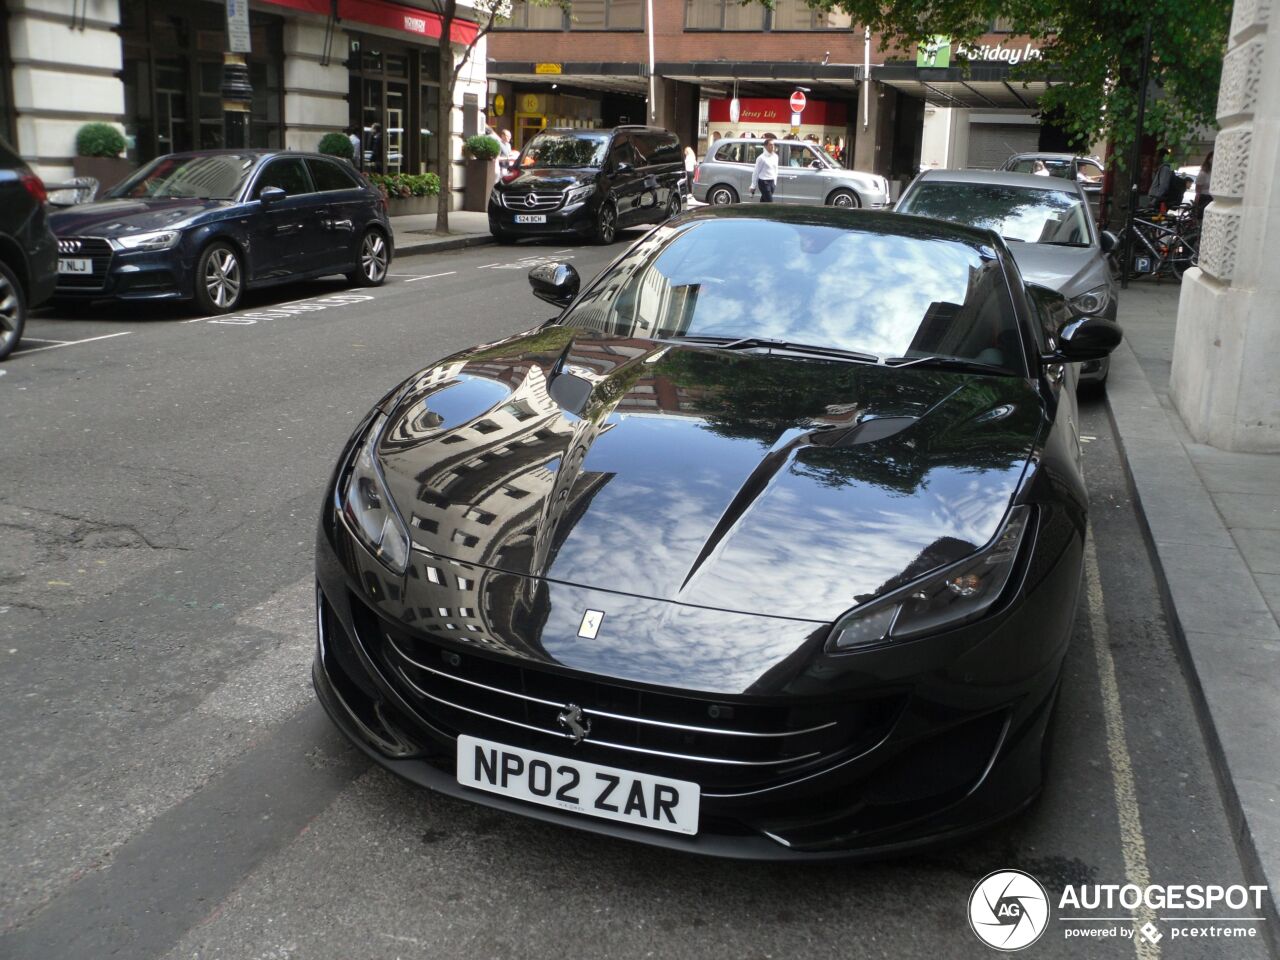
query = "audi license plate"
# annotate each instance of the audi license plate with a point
(586, 788)
(78, 265)
(531, 218)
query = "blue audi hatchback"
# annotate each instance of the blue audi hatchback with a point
(209, 225)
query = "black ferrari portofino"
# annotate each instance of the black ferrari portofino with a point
(767, 546)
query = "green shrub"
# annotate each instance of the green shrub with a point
(337, 145)
(99, 140)
(483, 147)
(406, 184)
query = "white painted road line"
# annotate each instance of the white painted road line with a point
(26, 339)
(71, 343)
(433, 276)
(1132, 844)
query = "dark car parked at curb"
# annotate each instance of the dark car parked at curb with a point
(589, 183)
(209, 225)
(28, 249)
(768, 546)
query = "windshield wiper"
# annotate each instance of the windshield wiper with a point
(769, 343)
(947, 363)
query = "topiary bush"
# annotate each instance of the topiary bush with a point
(337, 145)
(99, 140)
(483, 147)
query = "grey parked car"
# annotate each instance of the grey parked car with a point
(805, 175)
(1045, 221)
(1086, 171)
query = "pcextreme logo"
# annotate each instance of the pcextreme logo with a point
(1008, 910)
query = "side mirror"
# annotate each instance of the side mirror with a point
(622, 168)
(555, 283)
(1109, 241)
(1085, 338)
(270, 195)
(815, 165)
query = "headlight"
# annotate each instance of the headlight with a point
(1093, 301)
(158, 240)
(578, 194)
(364, 501)
(952, 596)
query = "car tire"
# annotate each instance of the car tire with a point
(13, 310)
(375, 260)
(844, 198)
(674, 206)
(722, 194)
(606, 223)
(219, 282)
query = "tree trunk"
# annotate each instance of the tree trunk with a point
(444, 118)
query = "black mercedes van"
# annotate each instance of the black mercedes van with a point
(569, 182)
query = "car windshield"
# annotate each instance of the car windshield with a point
(217, 177)
(553, 149)
(1026, 214)
(901, 294)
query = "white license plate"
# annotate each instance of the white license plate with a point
(586, 788)
(531, 218)
(78, 265)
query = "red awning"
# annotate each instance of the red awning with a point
(382, 13)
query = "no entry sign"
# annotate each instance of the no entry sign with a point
(797, 102)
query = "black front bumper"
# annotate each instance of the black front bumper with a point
(133, 275)
(575, 221)
(948, 751)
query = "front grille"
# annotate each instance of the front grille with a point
(519, 202)
(84, 248)
(725, 744)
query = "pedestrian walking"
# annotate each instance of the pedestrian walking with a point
(1203, 197)
(377, 161)
(765, 174)
(357, 149)
(690, 161)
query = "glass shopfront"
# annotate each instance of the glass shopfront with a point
(173, 76)
(6, 83)
(395, 86)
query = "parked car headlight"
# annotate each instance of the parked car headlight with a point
(578, 194)
(364, 501)
(942, 600)
(1093, 301)
(157, 240)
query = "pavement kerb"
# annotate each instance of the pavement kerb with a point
(408, 247)
(1231, 665)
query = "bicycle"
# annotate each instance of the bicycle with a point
(1161, 243)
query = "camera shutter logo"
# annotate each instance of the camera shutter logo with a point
(1008, 910)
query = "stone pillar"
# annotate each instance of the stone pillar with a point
(866, 142)
(315, 95)
(1224, 380)
(65, 74)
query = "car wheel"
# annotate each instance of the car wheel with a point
(673, 205)
(722, 194)
(219, 279)
(606, 224)
(845, 198)
(375, 256)
(13, 311)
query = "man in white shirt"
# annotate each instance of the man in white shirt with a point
(765, 174)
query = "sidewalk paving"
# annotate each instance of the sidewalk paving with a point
(1213, 518)
(417, 233)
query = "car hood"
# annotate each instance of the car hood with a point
(752, 483)
(551, 179)
(114, 218)
(1068, 270)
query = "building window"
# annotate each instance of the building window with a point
(798, 15)
(606, 15)
(528, 16)
(1001, 25)
(723, 15)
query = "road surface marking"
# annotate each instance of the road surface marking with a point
(1132, 844)
(45, 340)
(71, 343)
(433, 276)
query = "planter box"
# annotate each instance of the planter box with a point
(481, 175)
(108, 171)
(409, 206)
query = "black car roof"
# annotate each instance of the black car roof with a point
(867, 221)
(248, 152)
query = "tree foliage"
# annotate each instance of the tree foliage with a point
(1095, 47)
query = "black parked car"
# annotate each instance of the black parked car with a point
(28, 250)
(588, 183)
(209, 225)
(768, 546)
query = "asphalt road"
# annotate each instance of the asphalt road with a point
(172, 790)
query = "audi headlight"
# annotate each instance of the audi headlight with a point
(157, 240)
(1093, 301)
(957, 594)
(370, 514)
(578, 194)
